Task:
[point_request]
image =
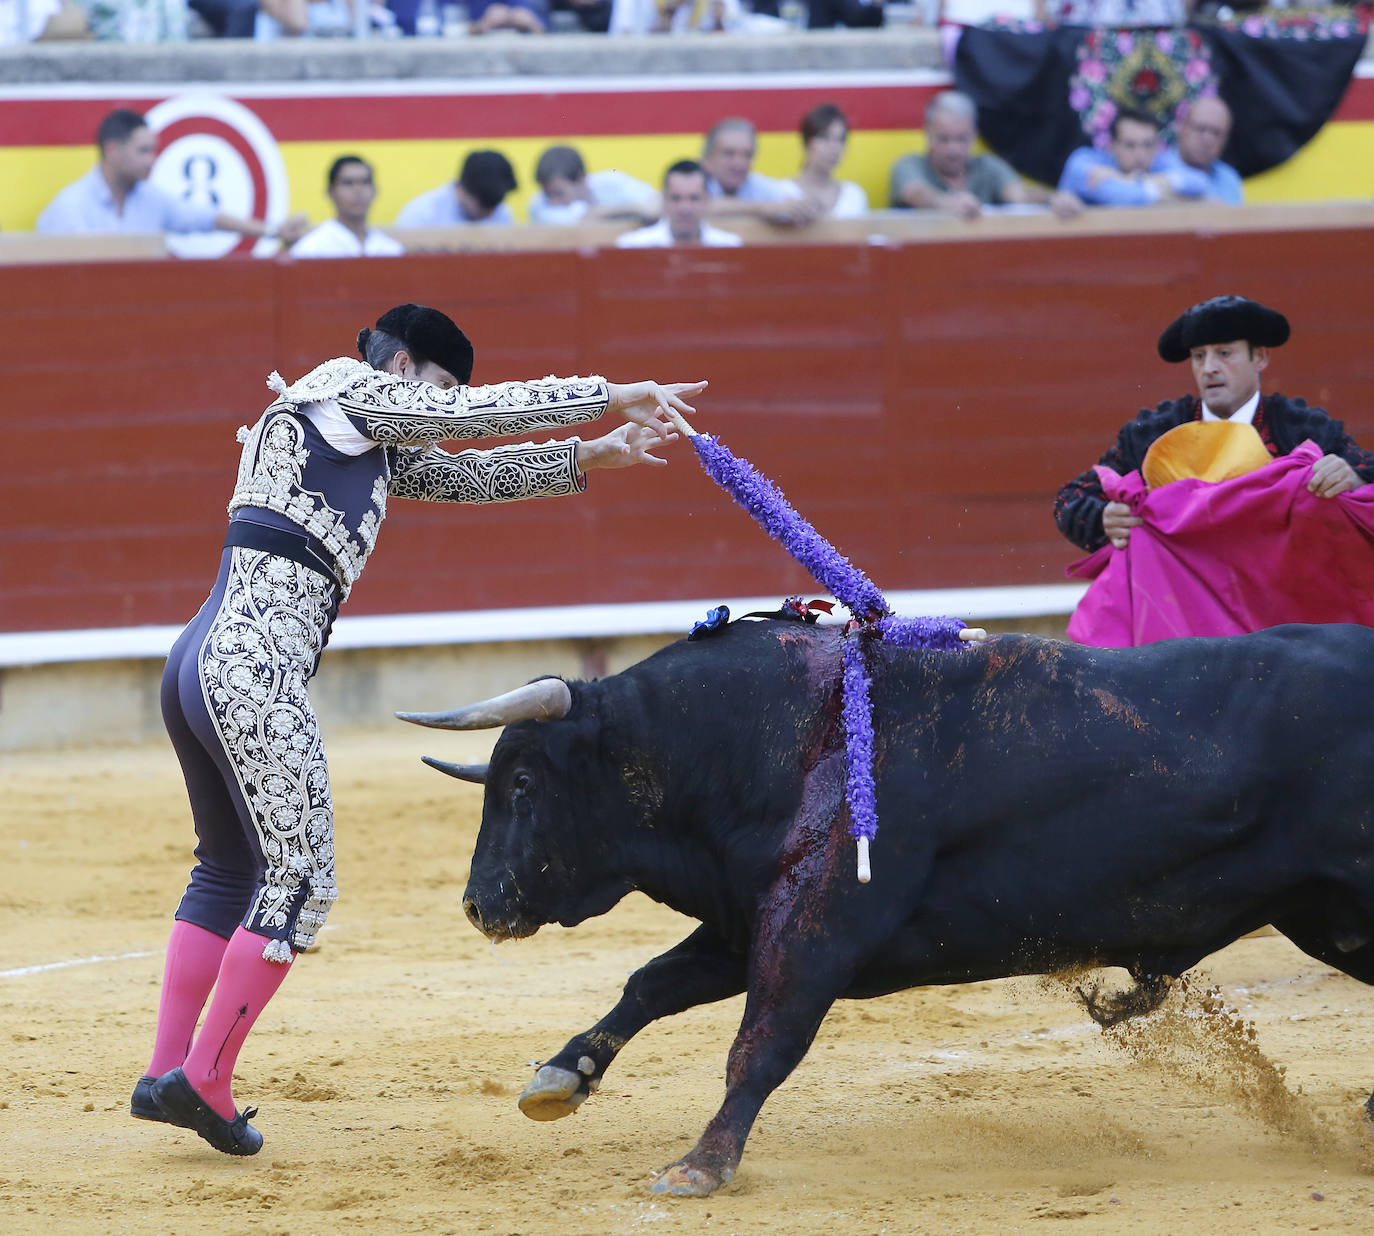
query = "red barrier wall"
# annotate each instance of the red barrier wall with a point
(920, 404)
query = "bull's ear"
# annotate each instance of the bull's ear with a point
(547, 699)
(476, 773)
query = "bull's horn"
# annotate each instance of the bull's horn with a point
(476, 773)
(545, 700)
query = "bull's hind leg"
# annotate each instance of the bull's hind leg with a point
(700, 970)
(1317, 936)
(1111, 1008)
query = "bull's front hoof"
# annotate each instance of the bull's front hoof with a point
(681, 1179)
(553, 1093)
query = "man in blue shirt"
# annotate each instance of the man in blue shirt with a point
(477, 196)
(1201, 137)
(116, 196)
(1132, 171)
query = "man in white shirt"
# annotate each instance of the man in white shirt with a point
(568, 194)
(685, 201)
(477, 196)
(737, 190)
(116, 196)
(352, 190)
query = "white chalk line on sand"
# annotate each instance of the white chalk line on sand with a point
(24, 971)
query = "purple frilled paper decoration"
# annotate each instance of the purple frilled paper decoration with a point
(856, 592)
(857, 710)
(768, 505)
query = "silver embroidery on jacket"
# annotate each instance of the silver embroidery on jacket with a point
(398, 411)
(255, 667)
(393, 410)
(270, 470)
(504, 474)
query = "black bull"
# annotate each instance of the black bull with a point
(1041, 806)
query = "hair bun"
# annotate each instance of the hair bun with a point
(363, 336)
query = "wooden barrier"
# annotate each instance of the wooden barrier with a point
(879, 227)
(30, 247)
(920, 403)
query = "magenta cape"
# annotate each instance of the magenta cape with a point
(1224, 558)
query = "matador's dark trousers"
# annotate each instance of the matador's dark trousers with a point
(235, 702)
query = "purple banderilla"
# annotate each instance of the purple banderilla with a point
(857, 593)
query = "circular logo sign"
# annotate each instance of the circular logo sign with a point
(217, 153)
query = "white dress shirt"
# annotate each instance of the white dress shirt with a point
(608, 188)
(1243, 415)
(658, 236)
(332, 240)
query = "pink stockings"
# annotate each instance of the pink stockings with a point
(193, 957)
(198, 960)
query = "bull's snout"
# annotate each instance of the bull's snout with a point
(498, 923)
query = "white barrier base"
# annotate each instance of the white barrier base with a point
(974, 605)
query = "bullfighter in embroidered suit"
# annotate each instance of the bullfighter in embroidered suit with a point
(1227, 339)
(314, 478)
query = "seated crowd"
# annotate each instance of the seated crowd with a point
(156, 21)
(697, 199)
(148, 21)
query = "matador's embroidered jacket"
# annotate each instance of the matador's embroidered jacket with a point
(328, 452)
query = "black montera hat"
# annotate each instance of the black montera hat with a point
(431, 335)
(1220, 320)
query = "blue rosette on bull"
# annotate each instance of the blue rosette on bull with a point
(872, 619)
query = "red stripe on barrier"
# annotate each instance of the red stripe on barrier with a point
(467, 117)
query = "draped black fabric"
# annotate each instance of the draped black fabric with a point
(1020, 83)
(1281, 91)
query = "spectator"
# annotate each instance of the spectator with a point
(824, 132)
(1131, 171)
(43, 20)
(477, 196)
(293, 18)
(1196, 159)
(685, 202)
(949, 176)
(527, 16)
(568, 194)
(736, 189)
(228, 19)
(674, 16)
(594, 16)
(352, 190)
(137, 21)
(1227, 339)
(1118, 13)
(827, 14)
(116, 195)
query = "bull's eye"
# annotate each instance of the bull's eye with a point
(520, 785)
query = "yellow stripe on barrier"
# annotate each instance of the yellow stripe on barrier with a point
(1337, 164)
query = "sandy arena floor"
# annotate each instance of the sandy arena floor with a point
(388, 1067)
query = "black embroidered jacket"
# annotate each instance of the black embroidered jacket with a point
(1282, 424)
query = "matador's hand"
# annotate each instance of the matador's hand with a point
(657, 407)
(1332, 475)
(623, 448)
(1117, 522)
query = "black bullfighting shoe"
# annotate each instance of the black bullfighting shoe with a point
(181, 1105)
(143, 1105)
